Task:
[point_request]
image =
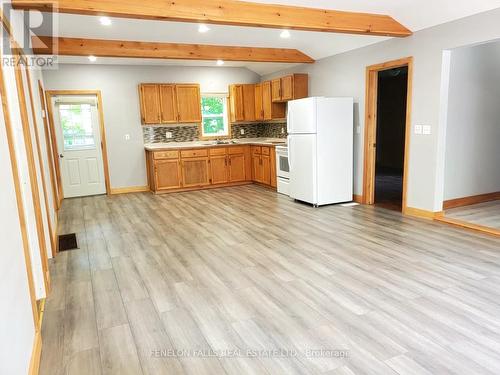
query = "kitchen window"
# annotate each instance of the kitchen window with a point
(214, 121)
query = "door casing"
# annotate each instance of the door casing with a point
(370, 136)
(51, 93)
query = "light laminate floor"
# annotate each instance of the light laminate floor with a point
(221, 272)
(486, 214)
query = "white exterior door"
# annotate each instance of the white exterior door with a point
(79, 145)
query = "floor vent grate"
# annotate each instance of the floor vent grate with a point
(67, 242)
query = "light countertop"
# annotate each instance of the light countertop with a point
(202, 144)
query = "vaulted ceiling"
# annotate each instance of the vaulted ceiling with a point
(414, 14)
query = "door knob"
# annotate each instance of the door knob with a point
(61, 156)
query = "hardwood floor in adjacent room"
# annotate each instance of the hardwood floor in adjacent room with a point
(486, 214)
(220, 274)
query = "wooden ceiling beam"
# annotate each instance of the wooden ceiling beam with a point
(175, 51)
(229, 12)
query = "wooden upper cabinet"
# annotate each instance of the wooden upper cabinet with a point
(168, 105)
(249, 102)
(259, 110)
(291, 87)
(276, 90)
(188, 103)
(150, 103)
(236, 103)
(266, 100)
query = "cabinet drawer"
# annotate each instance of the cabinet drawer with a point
(256, 150)
(236, 150)
(194, 153)
(265, 151)
(166, 155)
(218, 151)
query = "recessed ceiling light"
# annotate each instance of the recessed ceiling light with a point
(105, 21)
(220, 62)
(92, 58)
(202, 28)
(285, 34)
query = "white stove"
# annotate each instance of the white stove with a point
(282, 170)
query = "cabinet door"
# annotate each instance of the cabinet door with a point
(287, 88)
(274, 182)
(150, 103)
(188, 103)
(218, 169)
(259, 110)
(276, 90)
(256, 168)
(267, 100)
(266, 169)
(236, 103)
(168, 107)
(237, 168)
(167, 174)
(249, 102)
(195, 172)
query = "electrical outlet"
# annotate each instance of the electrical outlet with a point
(127, 137)
(168, 135)
(418, 129)
(426, 129)
(242, 131)
(282, 130)
(358, 129)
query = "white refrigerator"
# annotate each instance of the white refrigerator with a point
(320, 148)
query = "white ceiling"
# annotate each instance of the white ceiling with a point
(414, 14)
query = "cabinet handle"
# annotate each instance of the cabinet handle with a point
(225, 161)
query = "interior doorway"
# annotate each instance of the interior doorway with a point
(388, 104)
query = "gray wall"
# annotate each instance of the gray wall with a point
(344, 75)
(472, 164)
(118, 85)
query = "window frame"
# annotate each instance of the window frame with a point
(225, 116)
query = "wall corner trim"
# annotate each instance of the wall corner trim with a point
(36, 354)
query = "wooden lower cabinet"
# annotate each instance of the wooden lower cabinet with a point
(195, 172)
(218, 169)
(189, 169)
(167, 174)
(263, 168)
(237, 169)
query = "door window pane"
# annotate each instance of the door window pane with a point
(76, 124)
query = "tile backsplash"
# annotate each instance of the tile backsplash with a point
(187, 133)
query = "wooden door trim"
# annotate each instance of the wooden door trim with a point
(102, 128)
(48, 141)
(40, 162)
(19, 199)
(371, 127)
(35, 189)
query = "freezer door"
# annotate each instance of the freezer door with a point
(301, 118)
(302, 160)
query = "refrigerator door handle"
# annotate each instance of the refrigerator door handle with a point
(289, 152)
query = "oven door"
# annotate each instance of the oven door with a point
(282, 165)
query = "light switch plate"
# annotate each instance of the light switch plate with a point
(426, 129)
(168, 135)
(418, 129)
(127, 137)
(358, 129)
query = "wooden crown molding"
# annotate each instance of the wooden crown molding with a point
(175, 51)
(229, 12)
